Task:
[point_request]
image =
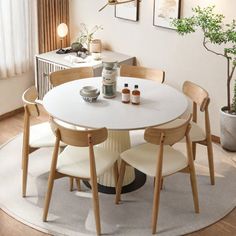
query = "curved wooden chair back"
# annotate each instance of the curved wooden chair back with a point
(79, 138)
(167, 136)
(142, 72)
(67, 75)
(29, 97)
(197, 94)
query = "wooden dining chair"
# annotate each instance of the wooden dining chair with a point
(67, 75)
(200, 99)
(157, 158)
(142, 72)
(82, 159)
(34, 137)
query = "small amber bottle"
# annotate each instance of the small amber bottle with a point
(135, 98)
(125, 94)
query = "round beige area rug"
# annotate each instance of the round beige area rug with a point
(70, 214)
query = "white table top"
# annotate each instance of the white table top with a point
(160, 103)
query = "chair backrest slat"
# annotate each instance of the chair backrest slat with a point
(142, 72)
(79, 138)
(197, 94)
(171, 135)
(67, 75)
(29, 97)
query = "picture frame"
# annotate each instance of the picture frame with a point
(164, 10)
(128, 11)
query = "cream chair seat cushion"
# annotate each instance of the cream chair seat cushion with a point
(74, 161)
(196, 132)
(144, 158)
(41, 135)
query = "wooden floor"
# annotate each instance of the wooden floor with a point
(11, 227)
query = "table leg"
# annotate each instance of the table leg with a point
(118, 141)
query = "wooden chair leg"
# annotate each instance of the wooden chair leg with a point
(192, 173)
(156, 200)
(78, 184)
(116, 175)
(96, 204)
(120, 181)
(157, 187)
(48, 195)
(194, 149)
(211, 162)
(162, 183)
(194, 188)
(25, 174)
(71, 183)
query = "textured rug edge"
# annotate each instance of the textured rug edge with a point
(45, 230)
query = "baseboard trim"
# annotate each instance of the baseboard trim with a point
(11, 113)
(215, 139)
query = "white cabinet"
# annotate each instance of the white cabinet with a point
(50, 61)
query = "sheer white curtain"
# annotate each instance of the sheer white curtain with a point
(17, 36)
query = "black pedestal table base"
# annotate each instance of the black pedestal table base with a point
(138, 182)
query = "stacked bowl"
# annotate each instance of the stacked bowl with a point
(89, 93)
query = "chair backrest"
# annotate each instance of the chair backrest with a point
(142, 72)
(197, 94)
(167, 136)
(29, 97)
(79, 138)
(67, 75)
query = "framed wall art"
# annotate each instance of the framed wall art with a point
(128, 11)
(164, 11)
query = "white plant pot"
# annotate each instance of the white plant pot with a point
(228, 130)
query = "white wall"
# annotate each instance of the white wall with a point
(11, 91)
(183, 58)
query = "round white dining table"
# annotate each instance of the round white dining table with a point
(160, 103)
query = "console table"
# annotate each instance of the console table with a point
(50, 62)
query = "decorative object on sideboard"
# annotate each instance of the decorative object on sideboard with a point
(164, 11)
(76, 47)
(216, 32)
(79, 49)
(128, 11)
(115, 2)
(96, 49)
(96, 45)
(62, 31)
(86, 35)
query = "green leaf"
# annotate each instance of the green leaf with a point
(215, 31)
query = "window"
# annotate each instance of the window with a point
(17, 36)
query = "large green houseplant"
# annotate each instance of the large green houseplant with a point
(216, 32)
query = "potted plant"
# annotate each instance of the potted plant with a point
(216, 32)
